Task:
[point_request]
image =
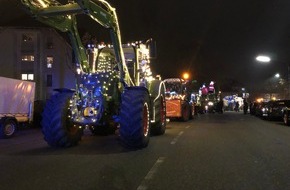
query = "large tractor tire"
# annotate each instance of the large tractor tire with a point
(135, 117)
(58, 130)
(7, 127)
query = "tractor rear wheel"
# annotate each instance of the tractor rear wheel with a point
(135, 117)
(57, 128)
(160, 117)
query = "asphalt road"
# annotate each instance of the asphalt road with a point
(229, 151)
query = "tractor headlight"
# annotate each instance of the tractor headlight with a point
(210, 103)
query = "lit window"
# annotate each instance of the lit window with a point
(30, 76)
(27, 76)
(27, 58)
(24, 77)
(49, 61)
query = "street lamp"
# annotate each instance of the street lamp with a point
(267, 59)
(185, 76)
(263, 58)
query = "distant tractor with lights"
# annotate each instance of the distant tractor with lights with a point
(209, 100)
(178, 100)
(114, 86)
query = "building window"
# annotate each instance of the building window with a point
(27, 58)
(49, 62)
(49, 80)
(25, 76)
(27, 37)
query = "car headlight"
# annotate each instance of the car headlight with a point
(210, 103)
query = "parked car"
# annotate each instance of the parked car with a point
(274, 109)
(260, 109)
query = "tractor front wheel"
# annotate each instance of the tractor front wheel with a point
(57, 128)
(135, 117)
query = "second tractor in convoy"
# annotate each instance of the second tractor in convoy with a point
(179, 104)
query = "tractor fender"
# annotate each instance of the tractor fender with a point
(156, 89)
(157, 92)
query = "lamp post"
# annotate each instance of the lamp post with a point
(267, 59)
(185, 76)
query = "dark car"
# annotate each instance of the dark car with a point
(273, 110)
(260, 109)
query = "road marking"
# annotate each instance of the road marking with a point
(177, 137)
(187, 126)
(150, 174)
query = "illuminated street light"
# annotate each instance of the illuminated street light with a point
(263, 59)
(267, 59)
(185, 76)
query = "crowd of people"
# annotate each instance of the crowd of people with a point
(245, 106)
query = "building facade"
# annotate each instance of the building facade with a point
(37, 54)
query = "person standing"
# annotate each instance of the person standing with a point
(237, 106)
(246, 106)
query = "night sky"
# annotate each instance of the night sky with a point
(212, 39)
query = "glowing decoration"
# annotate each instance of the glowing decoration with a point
(211, 87)
(42, 3)
(204, 90)
(174, 89)
(78, 71)
(87, 106)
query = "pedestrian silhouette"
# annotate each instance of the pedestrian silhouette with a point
(246, 106)
(237, 107)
